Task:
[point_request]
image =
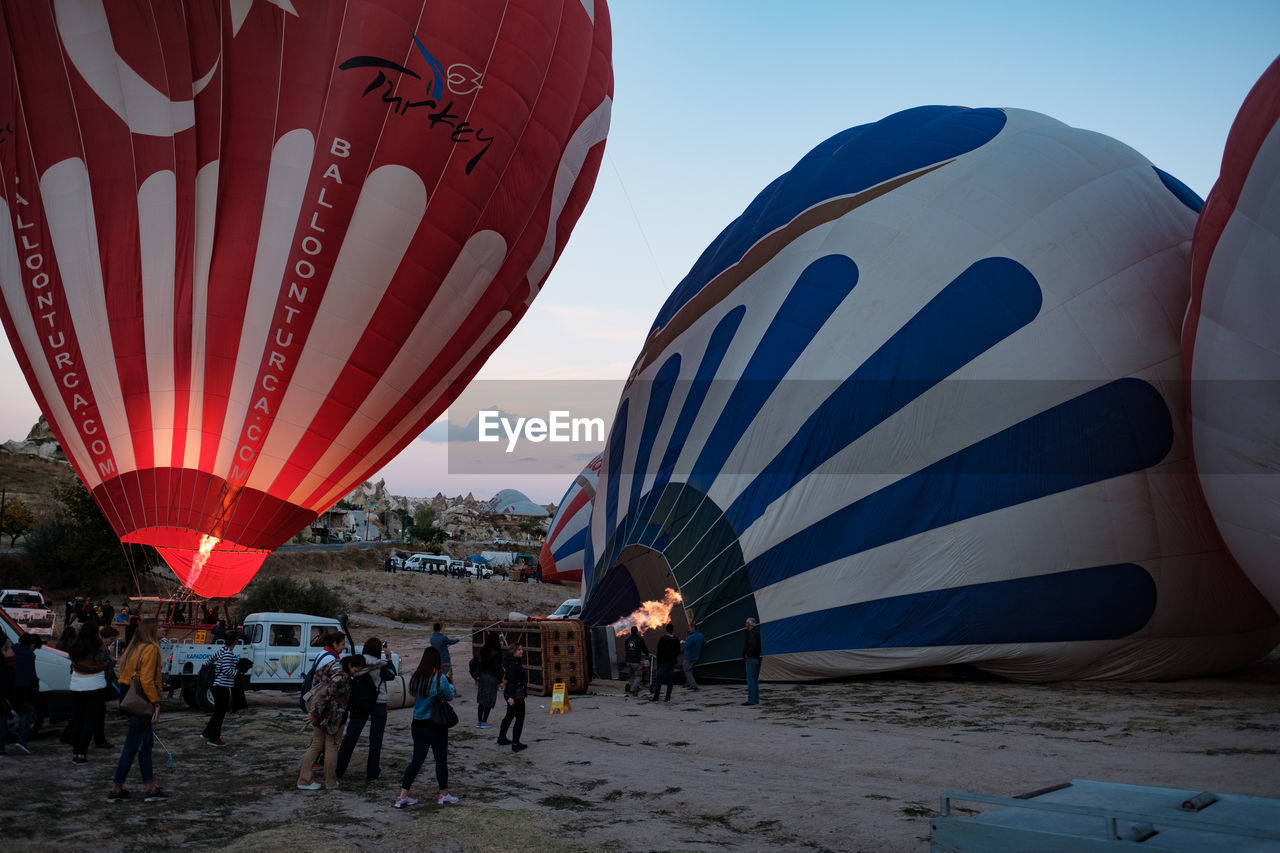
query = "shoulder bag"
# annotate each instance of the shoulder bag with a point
(135, 703)
(442, 713)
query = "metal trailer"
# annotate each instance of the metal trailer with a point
(1085, 815)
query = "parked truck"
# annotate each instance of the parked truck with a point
(279, 648)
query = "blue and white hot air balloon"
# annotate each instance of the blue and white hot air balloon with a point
(919, 405)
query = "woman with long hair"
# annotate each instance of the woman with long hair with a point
(490, 677)
(89, 663)
(428, 681)
(141, 658)
(368, 704)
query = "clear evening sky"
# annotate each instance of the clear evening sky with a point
(713, 99)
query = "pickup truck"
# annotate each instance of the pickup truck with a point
(29, 609)
(280, 648)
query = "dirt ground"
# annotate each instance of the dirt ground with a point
(849, 766)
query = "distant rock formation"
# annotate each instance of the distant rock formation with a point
(39, 442)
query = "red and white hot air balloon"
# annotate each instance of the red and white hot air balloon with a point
(249, 250)
(564, 553)
(1231, 339)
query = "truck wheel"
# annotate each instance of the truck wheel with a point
(11, 723)
(189, 695)
(204, 698)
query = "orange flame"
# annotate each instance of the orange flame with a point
(202, 555)
(650, 614)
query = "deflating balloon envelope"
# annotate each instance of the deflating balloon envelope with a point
(919, 405)
(250, 250)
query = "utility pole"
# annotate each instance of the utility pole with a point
(2, 491)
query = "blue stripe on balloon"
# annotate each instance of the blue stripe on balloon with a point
(819, 289)
(1181, 191)
(847, 163)
(1097, 603)
(659, 398)
(718, 344)
(617, 446)
(985, 304)
(1118, 428)
(576, 542)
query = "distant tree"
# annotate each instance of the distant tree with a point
(18, 519)
(77, 549)
(280, 592)
(424, 529)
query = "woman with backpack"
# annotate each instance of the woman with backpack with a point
(326, 712)
(427, 683)
(368, 703)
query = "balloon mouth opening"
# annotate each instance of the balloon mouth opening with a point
(210, 566)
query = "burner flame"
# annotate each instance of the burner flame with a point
(650, 614)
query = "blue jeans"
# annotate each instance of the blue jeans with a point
(375, 714)
(753, 680)
(137, 742)
(435, 738)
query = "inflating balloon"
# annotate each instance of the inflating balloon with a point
(562, 554)
(915, 407)
(1231, 339)
(250, 250)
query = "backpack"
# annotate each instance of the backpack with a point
(474, 669)
(308, 682)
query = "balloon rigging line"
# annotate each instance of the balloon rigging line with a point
(662, 280)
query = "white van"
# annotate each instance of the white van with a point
(431, 563)
(570, 609)
(29, 609)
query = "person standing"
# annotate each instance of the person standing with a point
(224, 679)
(441, 644)
(89, 663)
(491, 672)
(26, 686)
(636, 651)
(330, 689)
(692, 651)
(428, 682)
(751, 653)
(140, 658)
(666, 654)
(368, 703)
(515, 689)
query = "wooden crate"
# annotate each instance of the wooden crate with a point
(555, 650)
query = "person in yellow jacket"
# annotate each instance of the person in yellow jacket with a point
(142, 658)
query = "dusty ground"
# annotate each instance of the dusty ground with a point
(855, 766)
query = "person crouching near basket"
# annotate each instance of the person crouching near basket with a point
(427, 682)
(141, 658)
(330, 691)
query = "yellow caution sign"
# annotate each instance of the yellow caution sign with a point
(559, 698)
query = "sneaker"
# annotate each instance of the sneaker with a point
(79, 759)
(479, 725)
(404, 802)
(502, 741)
(218, 742)
(446, 799)
(156, 796)
(117, 796)
(486, 725)
(314, 786)
(516, 747)
(23, 747)
(336, 786)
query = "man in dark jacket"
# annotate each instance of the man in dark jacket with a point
(668, 651)
(636, 652)
(751, 654)
(514, 689)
